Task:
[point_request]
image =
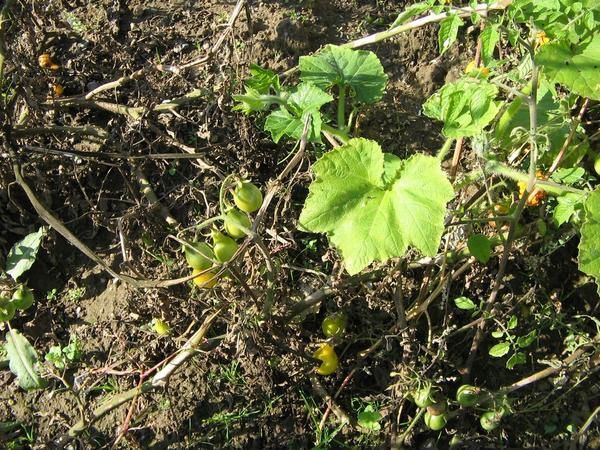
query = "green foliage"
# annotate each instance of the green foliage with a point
(575, 66)
(480, 247)
(374, 205)
(359, 70)
(22, 361)
(64, 357)
(289, 119)
(489, 38)
(511, 343)
(466, 107)
(567, 205)
(465, 303)
(369, 418)
(589, 246)
(22, 255)
(568, 20)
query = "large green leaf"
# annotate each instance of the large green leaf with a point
(340, 66)
(373, 206)
(576, 67)
(465, 107)
(22, 255)
(589, 245)
(289, 119)
(23, 357)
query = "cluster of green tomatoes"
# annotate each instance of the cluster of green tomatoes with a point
(21, 299)
(333, 326)
(494, 407)
(204, 258)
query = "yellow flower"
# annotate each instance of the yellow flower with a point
(536, 195)
(541, 39)
(474, 71)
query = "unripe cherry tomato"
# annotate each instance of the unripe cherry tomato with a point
(224, 247)
(467, 395)
(206, 280)
(7, 309)
(200, 256)
(247, 196)
(334, 325)
(327, 355)
(22, 298)
(232, 218)
(597, 165)
(435, 423)
(490, 420)
(161, 327)
(422, 397)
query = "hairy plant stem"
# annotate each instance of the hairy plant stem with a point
(533, 154)
(340, 134)
(431, 18)
(549, 186)
(341, 111)
(445, 148)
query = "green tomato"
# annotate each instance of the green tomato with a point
(468, 395)
(422, 397)
(247, 196)
(490, 420)
(7, 309)
(232, 218)
(334, 325)
(435, 423)
(161, 327)
(224, 247)
(22, 298)
(201, 258)
(597, 165)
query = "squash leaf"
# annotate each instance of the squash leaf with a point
(577, 67)
(589, 245)
(373, 206)
(361, 70)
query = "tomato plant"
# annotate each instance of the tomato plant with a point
(7, 309)
(22, 298)
(224, 247)
(435, 422)
(234, 220)
(490, 420)
(423, 397)
(204, 280)
(468, 395)
(334, 325)
(326, 353)
(247, 196)
(199, 255)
